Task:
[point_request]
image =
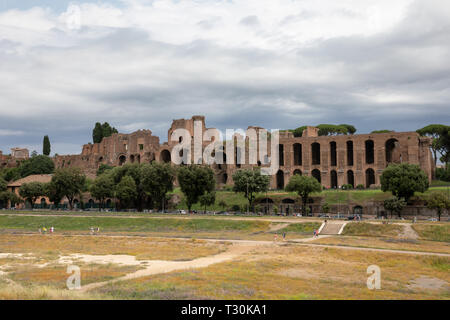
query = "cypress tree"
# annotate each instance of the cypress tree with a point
(46, 146)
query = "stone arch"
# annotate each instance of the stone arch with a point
(370, 177)
(350, 153)
(122, 160)
(315, 153)
(370, 151)
(392, 150)
(281, 154)
(297, 171)
(316, 174)
(333, 154)
(333, 179)
(351, 178)
(165, 156)
(297, 154)
(280, 179)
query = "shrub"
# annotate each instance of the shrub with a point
(360, 187)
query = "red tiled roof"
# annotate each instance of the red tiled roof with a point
(44, 178)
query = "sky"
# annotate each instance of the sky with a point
(139, 64)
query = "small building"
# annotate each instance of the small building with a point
(15, 187)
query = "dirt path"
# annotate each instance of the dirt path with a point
(408, 232)
(161, 266)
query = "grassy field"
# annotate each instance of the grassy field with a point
(294, 273)
(440, 232)
(301, 228)
(111, 224)
(373, 230)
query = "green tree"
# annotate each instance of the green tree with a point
(394, 205)
(350, 129)
(195, 181)
(381, 131)
(441, 140)
(32, 191)
(97, 133)
(46, 146)
(102, 188)
(325, 208)
(157, 181)
(304, 186)
(125, 191)
(299, 131)
(250, 182)
(3, 184)
(8, 196)
(36, 165)
(223, 204)
(10, 174)
(403, 180)
(101, 131)
(331, 129)
(103, 168)
(71, 182)
(134, 171)
(438, 201)
(54, 192)
(208, 199)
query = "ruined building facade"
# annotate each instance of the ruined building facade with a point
(333, 160)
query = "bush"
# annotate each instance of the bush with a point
(235, 207)
(347, 187)
(360, 187)
(443, 174)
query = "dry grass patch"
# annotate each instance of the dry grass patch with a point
(292, 272)
(386, 243)
(372, 229)
(52, 246)
(436, 232)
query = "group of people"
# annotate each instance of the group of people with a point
(276, 236)
(94, 230)
(44, 230)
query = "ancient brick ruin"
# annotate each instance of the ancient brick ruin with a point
(333, 160)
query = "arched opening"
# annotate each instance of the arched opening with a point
(165, 156)
(370, 177)
(392, 151)
(287, 206)
(122, 160)
(259, 163)
(333, 179)
(349, 153)
(132, 158)
(333, 154)
(237, 157)
(280, 179)
(315, 152)
(91, 203)
(281, 154)
(316, 174)
(100, 160)
(297, 154)
(370, 153)
(108, 204)
(351, 178)
(138, 158)
(76, 204)
(224, 178)
(297, 171)
(358, 210)
(267, 204)
(43, 203)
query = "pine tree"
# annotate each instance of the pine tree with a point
(46, 146)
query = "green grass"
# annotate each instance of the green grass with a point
(372, 230)
(66, 223)
(301, 228)
(433, 232)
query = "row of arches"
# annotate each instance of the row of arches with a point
(391, 152)
(350, 177)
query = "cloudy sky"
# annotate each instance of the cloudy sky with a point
(138, 64)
